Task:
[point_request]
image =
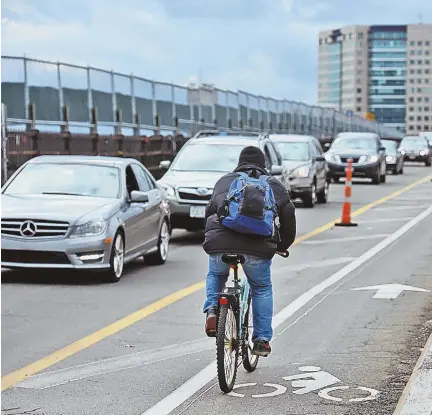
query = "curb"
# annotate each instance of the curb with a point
(403, 405)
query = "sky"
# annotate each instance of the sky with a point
(267, 47)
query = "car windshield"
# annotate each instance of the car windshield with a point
(390, 146)
(208, 157)
(413, 143)
(354, 143)
(67, 179)
(291, 150)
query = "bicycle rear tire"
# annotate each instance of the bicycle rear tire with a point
(250, 361)
(226, 384)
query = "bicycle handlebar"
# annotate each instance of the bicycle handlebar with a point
(284, 254)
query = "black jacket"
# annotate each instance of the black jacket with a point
(219, 239)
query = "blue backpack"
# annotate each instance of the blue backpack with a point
(250, 206)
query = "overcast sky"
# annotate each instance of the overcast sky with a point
(267, 47)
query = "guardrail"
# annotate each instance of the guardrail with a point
(21, 146)
(42, 94)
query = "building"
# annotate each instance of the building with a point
(383, 70)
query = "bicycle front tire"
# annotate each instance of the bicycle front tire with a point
(227, 370)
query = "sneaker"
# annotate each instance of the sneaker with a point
(261, 348)
(211, 322)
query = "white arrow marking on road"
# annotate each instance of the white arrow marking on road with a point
(390, 291)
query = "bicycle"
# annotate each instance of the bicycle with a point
(235, 315)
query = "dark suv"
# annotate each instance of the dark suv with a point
(366, 151)
(205, 158)
(304, 158)
(415, 148)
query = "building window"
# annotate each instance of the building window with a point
(412, 81)
(419, 81)
(427, 52)
(419, 62)
(412, 43)
(359, 90)
(419, 99)
(427, 62)
(419, 118)
(359, 99)
(419, 43)
(426, 118)
(360, 35)
(359, 109)
(426, 81)
(412, 62)
(412, 52)
(411, 118)
(426, 109)
(411, 109)
(411, 98)
(420, 52)
(427, 43)
(359, 62)
(426, 127)
(427, 70)
(411, 127)
(419, 71)
(320, 41)
(412, 71)
(419, 127)
(426, 99)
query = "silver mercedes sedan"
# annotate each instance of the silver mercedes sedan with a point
(85, 213)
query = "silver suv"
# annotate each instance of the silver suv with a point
(204, 159)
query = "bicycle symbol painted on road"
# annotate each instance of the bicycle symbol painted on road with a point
(313, 379)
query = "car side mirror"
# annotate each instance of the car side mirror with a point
(139, 197)
(382, 149)
(276, 170)
(319, 158)
(165, 164)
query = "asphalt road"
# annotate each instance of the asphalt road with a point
(321, 321)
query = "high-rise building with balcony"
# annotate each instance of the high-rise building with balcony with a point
(384, 70)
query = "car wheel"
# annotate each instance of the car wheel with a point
(336, 179)
(310, 199)
(401, 171)
(116, 259)
(161, 255)
(322, 195)
(428, 163)
(383, 178)
(376, 178)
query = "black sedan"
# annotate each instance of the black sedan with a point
(415, 148)
(394, 158)
(366, 151)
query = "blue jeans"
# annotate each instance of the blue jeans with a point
(257, 271)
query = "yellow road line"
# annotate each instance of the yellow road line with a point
(21, 374)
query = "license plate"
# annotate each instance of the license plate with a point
(412, 157)
(197, 211)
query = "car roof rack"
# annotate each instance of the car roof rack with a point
(223, 133)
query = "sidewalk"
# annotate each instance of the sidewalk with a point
(416, 398)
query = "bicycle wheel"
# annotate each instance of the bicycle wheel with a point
(250, 361)
(227, 348)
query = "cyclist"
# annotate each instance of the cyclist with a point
(258, 251)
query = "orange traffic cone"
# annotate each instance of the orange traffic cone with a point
(346, 207)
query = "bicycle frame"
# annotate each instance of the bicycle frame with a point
(238, 297)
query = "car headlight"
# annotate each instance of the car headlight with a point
(424, 152)
(403, 152)
(300, 172)
(372, 159)
(168, 189)
(91, 228)
(329, 157)
(389, 159)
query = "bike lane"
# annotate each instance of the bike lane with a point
(349, 352)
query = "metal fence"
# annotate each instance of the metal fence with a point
(58, 96)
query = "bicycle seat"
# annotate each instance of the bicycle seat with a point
(233, 259)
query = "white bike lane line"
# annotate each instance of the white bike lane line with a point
(201, 379)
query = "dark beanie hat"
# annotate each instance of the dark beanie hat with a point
(252, 155)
